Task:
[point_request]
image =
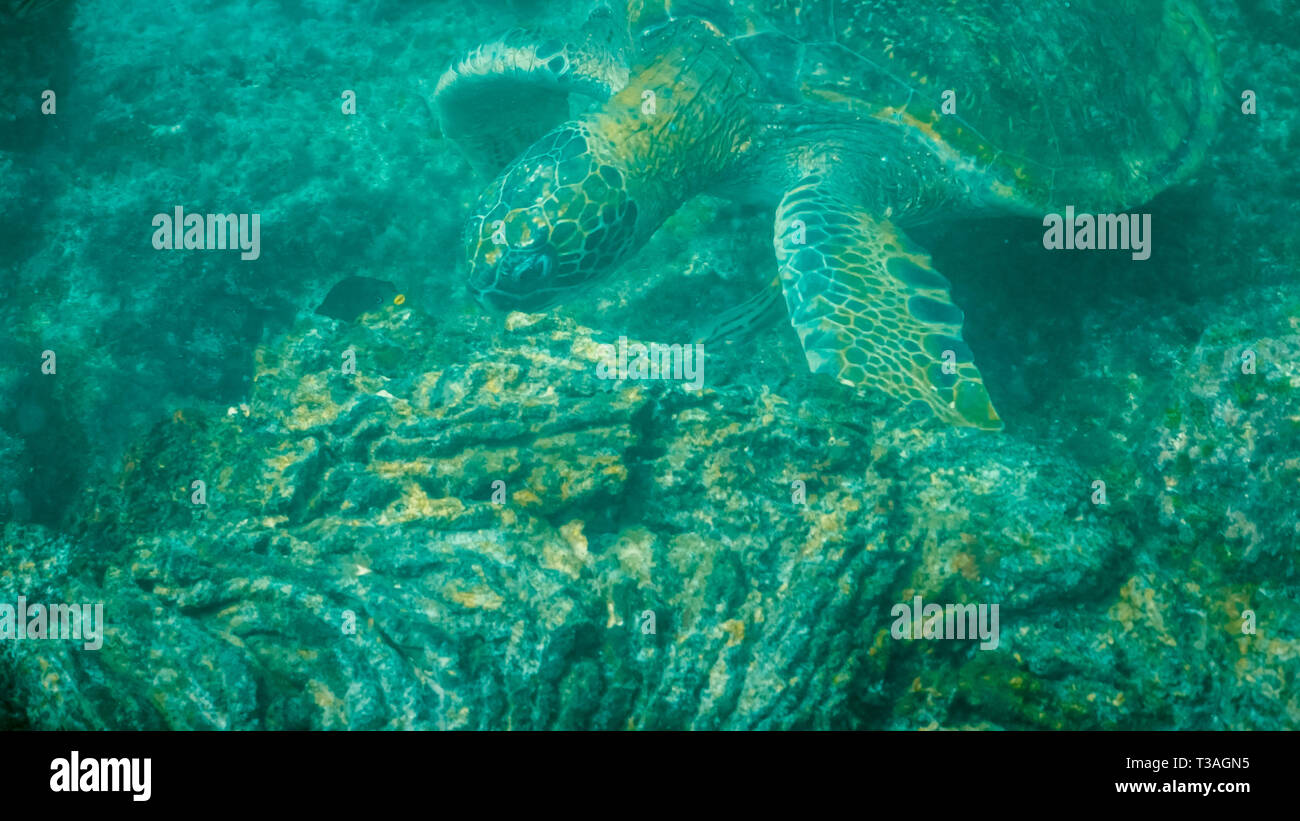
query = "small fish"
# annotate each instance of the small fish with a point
(353, 296)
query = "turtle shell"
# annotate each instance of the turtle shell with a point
(1038, 103)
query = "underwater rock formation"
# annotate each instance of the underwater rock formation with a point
(350, 567)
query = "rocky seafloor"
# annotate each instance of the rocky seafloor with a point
(350, 567)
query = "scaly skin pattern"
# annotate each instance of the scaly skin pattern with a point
(871, 310)
(587, 194)
(1096, 103)
(840, 110)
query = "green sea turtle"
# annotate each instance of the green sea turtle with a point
(854, 120)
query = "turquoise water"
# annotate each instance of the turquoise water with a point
(308, 480)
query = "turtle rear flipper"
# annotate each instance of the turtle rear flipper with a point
(501, 96)
(869, 308)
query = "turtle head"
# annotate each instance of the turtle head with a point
(556, 219)
(577, 202)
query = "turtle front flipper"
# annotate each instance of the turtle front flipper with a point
(497, 99)
(869, 308)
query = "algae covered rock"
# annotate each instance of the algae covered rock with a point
(474, 530)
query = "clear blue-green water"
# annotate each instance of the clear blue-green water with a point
(312, 481)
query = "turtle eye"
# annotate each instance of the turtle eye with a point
(520, 273)
(520, 280)
(528, 270)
